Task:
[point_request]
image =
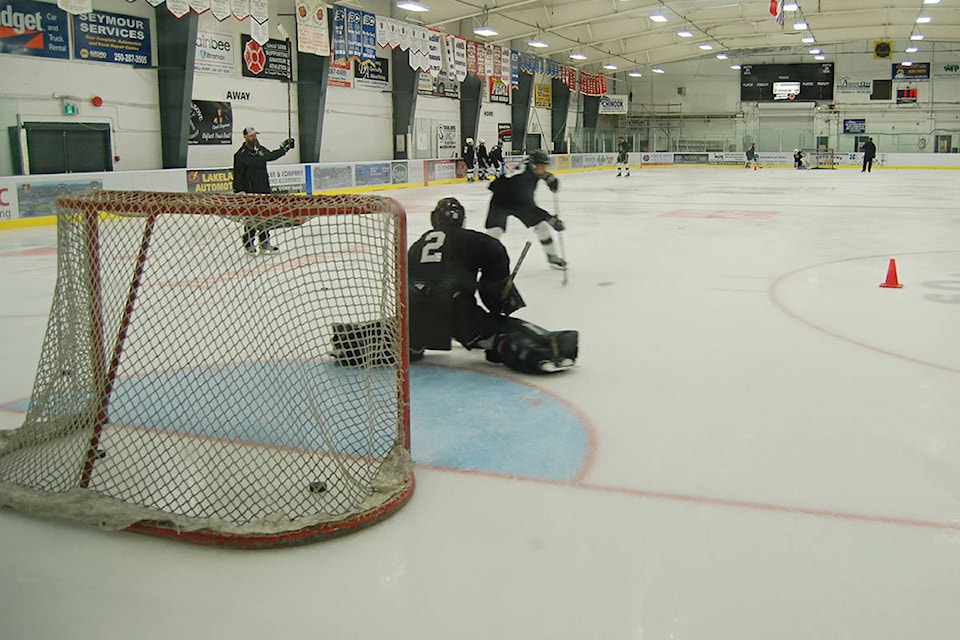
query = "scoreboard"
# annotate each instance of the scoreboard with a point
(801, 82)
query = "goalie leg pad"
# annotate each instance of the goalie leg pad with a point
(365, 343)
(525, 347)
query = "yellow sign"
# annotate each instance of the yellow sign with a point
(882, 49)
(543, 96)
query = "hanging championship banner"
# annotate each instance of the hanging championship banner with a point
(220, 9)
(260, 32)
(76, 6)
(339, 44)
(312, 28)
(434, 60)
(199, 6)
(514, 70)
(383, 32)
(240, 9)
(460, 58)
(368, 38)
(259, 10)
(406, 35)
(354, 33)
(178, 8)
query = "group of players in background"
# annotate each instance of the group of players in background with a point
(490, 164)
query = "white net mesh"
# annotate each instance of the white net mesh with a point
(818, 158)
(186, 386)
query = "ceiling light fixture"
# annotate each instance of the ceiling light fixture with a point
(911, 49)
(791, 7)
(538, 43)
(906, 63)
(735, 66)
(657, 70)
(800, 26)
(577, 56)
(658, 17)
(412, 6)
(485, 31)
(610, 66)
(931, 1)
(635, 74)
(706, 47)
(808, 39)
(923, 19)
(917, 36)
(815, 51)
(722, 56)
(820, 57)
(684, 34)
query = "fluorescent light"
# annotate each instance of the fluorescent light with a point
(791, 7)
(815, 51)
(735, 66)
(917, 36)
(610, 66)
(538, 43)
(800, 26)
(923, 19)
(577, 56)
(808, 39)
(722, 56)
(906, 63)
(635, 74)
(931, 1)
(412, 6)
(911, 49)
(657, 70)
(684, 34)
(820, 57)
(485, 31)
(658, 17)
(706, 47)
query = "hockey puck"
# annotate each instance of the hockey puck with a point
(318, 487)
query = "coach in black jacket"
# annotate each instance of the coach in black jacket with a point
(250, 176)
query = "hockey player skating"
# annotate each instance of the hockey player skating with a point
(797, 159)
(513, 196)
(469, 158)
(752, 158)
(496, 159)
(483, 160)
(444, 266)
(623, 157)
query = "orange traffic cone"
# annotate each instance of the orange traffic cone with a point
(891, 281)
(754, 167)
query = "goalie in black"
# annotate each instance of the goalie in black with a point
(513, 196)
(444, 265)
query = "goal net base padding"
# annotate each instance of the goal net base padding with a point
(188, 389)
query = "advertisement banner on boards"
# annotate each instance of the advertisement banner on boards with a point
(613, 103)
(270, 60)
(210, 122)
(215, 54)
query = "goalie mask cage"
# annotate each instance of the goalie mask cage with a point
(188, 389)
(818, 158)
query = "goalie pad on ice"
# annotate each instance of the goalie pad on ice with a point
(527, 348)
(358, 344)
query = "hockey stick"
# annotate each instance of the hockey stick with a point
(563, 253)
(516, 269)
(284, 33)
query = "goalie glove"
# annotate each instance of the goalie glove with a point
(556, 223)
(288, 144)
(501, 297)
(552, 182)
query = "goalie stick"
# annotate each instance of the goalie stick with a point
(516, 269)
(563, 253)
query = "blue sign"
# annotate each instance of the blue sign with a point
(30, 28)
(112, 37)
(855, 125)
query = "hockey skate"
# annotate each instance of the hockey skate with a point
(556, 262)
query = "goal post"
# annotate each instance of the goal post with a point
(818, 158)
(189, 389)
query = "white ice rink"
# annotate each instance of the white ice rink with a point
(774, 441)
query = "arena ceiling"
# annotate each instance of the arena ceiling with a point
(622, 33)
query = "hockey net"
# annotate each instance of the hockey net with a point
(186, 388)
(818, 158)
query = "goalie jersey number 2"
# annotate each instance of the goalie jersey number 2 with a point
(433, 247)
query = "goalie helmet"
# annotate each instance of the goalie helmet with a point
(469, 140)
(480, 141)
(538, 157)
(448, 213)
